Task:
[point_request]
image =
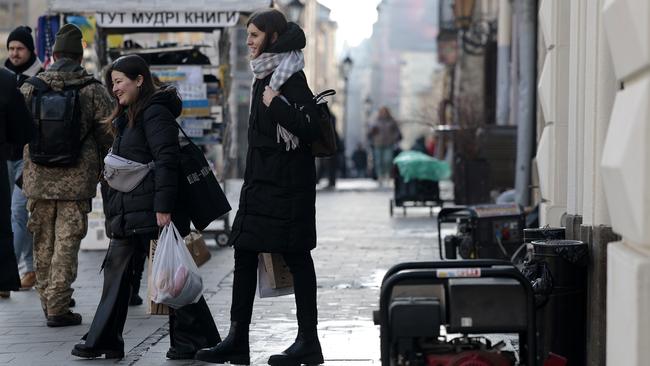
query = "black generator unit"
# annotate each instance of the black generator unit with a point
(491, 231)
(450, 313)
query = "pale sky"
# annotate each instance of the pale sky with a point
(355, 19)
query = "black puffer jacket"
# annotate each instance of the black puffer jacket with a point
(277, 203)
(15, 119)
(154, 136)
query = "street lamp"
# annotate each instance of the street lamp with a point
(368, 104)
(294, 10)
(346, 68)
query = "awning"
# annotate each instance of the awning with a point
(93, 6)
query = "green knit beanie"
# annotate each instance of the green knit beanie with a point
(68, 40)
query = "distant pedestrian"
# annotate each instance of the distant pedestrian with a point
(62, 170)
(420, 144)
(277, 202)
(384, 134)
(22, 61)
(145, 131)
(332, 163)
(426, 144)
(360, 161)
(13, 130)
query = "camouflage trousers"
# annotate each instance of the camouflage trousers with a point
(58, 227)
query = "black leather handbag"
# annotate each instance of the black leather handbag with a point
(205, 199)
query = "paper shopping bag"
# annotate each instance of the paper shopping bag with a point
(274, 278)
(153, 308)
(197, 247)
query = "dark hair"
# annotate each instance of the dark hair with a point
(268, 21)
(384, 112)
(131, 66)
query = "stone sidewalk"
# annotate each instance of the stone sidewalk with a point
(358, 242)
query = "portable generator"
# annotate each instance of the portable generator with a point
(492, 231)
(422, 303)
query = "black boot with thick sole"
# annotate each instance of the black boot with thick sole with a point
(234, 348)
(63, 320)
(81, 350)
(305, 350)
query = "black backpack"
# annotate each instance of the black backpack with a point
(57, 117)
(325, 145)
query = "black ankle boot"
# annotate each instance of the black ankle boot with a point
(83, 351)
(135, 299)
(234, 348)
(305, 350)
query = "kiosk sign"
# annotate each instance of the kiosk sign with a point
(167, 19)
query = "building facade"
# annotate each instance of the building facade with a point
(601, 50)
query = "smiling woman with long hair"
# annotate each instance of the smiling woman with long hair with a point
(145, 131)
(277, 202)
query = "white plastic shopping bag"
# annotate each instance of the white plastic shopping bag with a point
(175, 278)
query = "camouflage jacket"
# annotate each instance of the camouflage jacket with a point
(79, 181)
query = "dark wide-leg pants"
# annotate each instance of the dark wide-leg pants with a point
(191, 327)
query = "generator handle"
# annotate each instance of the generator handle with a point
(446, 264)
(446, 215)
(509, 271)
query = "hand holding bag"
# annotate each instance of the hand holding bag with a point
(176, 281)
(326, 143)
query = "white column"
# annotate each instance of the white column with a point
(600, 89)
(576, 109)
(589, 110)
(503, 63)
(625, 168)
(606, 88)
(553, 92)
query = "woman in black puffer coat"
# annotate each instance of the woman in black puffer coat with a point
(277, 202)
(145, 131)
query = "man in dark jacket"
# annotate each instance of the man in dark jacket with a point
(13, 113)
(22, 61)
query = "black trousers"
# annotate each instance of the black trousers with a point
(139, 260)
(301, 267)
(9, 278)
(191, 327)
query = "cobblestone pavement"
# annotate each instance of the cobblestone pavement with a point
(357, 242)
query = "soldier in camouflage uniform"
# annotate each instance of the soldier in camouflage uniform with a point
(59, 197)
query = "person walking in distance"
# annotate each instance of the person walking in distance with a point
(360, 161)
(145, 131)
(22, 61)
(13, 130)
(277, 202)
(62, 167)
(384, 134)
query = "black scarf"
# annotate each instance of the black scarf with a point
(22, 68)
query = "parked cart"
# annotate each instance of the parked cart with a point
(416, 182)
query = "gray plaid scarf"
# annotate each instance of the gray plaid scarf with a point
(282, 65)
